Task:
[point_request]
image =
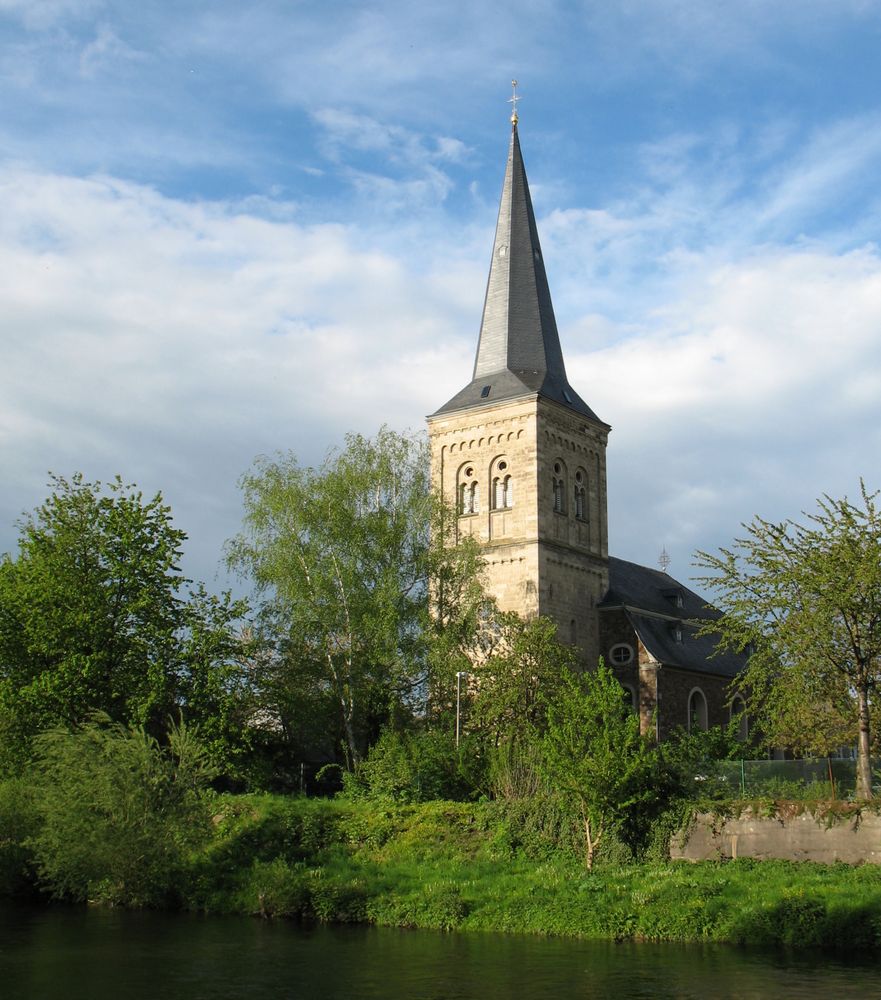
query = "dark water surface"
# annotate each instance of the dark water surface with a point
(91, 954)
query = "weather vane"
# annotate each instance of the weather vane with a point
(513, 102)
(664, 559)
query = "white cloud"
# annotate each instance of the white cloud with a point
(172, 342)
(757, 393)
(713, 269)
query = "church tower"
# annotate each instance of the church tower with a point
(518, 451)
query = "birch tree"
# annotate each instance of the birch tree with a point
(341, 556)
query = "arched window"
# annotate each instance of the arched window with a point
(502, 486)
(580, 496)
(697, 711)
(629, 697)
(559, 485)
(475, 498)
(738, 711)
(468, 491)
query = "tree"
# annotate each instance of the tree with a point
(342, 557)
(515, 676)
(92, 618)
(593, 751)
(805, 600)
(213, 682)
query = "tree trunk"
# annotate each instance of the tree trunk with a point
(591, 841)
(864, 763)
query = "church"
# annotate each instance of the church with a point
(522, 457)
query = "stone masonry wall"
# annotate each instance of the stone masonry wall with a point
(467, 448)
(663, 688)
(803, 837)
(538, 561)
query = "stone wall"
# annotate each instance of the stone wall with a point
(674, 690)
(538, 560)
(804, 837)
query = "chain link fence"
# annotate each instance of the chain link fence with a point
(811, 778)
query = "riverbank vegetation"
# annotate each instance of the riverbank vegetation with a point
(157, 742)
(492, 866)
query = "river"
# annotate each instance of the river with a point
(74, 953)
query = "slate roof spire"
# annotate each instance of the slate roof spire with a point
(518, 352)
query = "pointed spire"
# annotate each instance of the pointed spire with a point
(518, 330)
(518, 352)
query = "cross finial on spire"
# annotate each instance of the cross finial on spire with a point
(513, 101)
(664, 559)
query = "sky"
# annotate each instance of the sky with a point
(230, 230)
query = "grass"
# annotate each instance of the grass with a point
(469, 866)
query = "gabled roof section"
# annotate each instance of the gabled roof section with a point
(635, 586)
(662, 612)
(519, 348)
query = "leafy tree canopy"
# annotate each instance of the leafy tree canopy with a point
(805, 600)
(342, 557)
(515, 676)
(92, 618)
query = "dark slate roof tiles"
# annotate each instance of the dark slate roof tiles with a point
(660, 609)
(519, 351)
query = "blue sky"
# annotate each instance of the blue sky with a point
(228, 229)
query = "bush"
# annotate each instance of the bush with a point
(407, 768)
(119, 815)
(18, 822)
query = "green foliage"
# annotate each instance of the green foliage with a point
(405, 767)
(515, 677)
(514, 769)
(805, 599)
(18, 823)
(118, 814)
(593, 752)
(504, 866)
(89, 608)
(691, 762)
(488, 866)
(92, 619)
(541, 827)
(342, 557)
(213, 683)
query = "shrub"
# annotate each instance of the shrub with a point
(118, 814)
(407, 768)
(18, 822)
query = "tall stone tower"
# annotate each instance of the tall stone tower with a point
(518, 451)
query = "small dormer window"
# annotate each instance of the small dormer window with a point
(675, 597)
(676, 632)
(484, 392)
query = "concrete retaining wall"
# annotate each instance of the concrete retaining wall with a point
(855, 840)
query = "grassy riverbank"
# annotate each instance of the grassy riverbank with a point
(485, 867)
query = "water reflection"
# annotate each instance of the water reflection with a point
(80, 954)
